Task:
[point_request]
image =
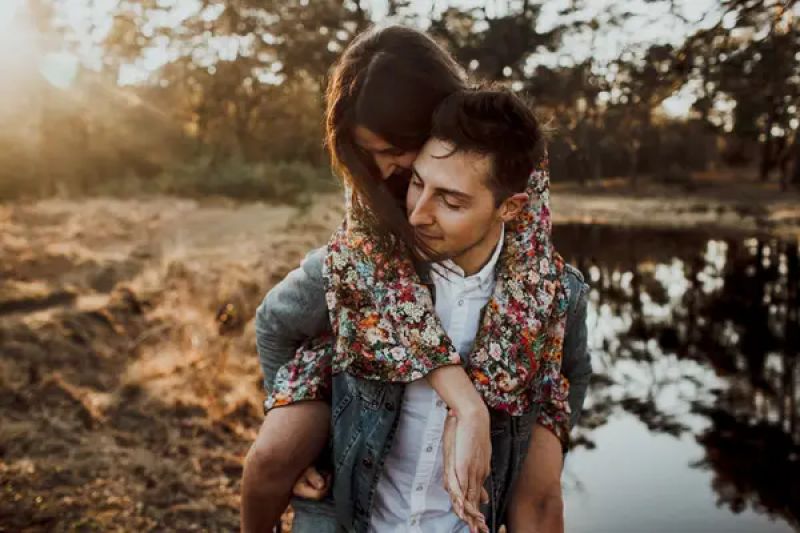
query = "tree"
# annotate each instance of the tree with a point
(496, 47)
(751, 56)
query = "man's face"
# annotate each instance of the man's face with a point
(448, 202)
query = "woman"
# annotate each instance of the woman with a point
(372, 145)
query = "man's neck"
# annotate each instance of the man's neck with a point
(474, 259)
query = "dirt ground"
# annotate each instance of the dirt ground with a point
(129, 386)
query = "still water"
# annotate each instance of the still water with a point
(691, 423)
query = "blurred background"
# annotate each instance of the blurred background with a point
(161, 167)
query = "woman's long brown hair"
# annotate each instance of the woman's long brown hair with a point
(389, 80)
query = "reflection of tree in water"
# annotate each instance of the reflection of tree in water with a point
(753, 462)
(684, 324)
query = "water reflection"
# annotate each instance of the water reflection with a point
(697, 335)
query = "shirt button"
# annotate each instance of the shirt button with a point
(439, 403)
(461, 302)
(419, 488)
(429, 449)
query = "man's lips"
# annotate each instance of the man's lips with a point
(427, 236)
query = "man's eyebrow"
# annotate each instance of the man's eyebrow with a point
(444, 190)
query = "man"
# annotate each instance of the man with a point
(388, 458)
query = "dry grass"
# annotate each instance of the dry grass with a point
(130, 404)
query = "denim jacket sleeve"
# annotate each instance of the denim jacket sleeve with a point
(576, 362)
(292, 312)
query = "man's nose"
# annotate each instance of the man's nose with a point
(420, 215)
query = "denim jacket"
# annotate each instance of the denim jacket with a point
(364, 413)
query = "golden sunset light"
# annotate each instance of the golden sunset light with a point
(15, 29)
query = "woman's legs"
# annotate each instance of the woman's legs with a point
(290, 439)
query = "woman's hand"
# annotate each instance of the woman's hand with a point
(468, 446)
(467, 451)
(311, 484)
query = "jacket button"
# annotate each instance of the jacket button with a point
(389, 406)
(367, 462)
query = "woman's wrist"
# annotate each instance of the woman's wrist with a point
(470, 409)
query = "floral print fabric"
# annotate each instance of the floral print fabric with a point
(384, 326)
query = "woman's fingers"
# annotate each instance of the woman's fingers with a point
(472, 502)
(476, 519)
(465, 471)
(475, 490)
(451, 482)
(311, 485)
(475, 494)
(305, 490)
(456, 495)
(463, 478)
(314, 478)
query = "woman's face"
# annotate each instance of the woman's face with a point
(389, 158)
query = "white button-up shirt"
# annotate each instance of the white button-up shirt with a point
(410, 494)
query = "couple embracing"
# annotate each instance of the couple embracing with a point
(423, 370)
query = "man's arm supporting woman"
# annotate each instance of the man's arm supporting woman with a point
(536, 504)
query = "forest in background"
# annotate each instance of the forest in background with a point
(236, 107)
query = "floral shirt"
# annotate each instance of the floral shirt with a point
(384, 326)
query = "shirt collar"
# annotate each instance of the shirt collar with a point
(485, 276)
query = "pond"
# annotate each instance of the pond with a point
(691, 423)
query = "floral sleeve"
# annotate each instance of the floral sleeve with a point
(306, 377)
(552, 388)
(382, 314)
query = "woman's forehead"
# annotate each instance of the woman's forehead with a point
(369, 140)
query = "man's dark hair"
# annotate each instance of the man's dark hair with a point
(497, 123)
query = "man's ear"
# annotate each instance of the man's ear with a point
(513, 206)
